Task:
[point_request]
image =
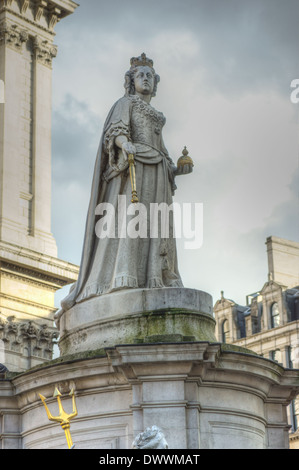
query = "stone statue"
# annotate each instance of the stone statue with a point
(151, 438)
(132, 128)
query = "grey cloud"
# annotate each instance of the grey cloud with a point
(76, 132)
(250, 260)
(284, 219)
(242, 45)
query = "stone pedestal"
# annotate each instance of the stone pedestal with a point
(202, 395)
(137, 316)
(149, 357)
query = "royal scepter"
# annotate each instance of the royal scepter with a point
(133, 178)
(63, 418)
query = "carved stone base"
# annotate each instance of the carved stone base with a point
(137, 316)
(201, 395)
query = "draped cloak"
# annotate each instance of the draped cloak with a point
(109, 264)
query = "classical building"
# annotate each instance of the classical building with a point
(269, 322)
(30, 271)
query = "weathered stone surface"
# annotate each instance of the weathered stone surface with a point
(137, 316)
(198, 395)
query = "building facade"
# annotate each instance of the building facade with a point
(269, 322)
(30, 271)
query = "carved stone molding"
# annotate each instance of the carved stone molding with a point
(32, 11)
(30, 276)
(27, 337)
(7, 3)
(24, 5)
(39, 9)
(44, 52)
(54, 17)
(29, 258)
(12, 35)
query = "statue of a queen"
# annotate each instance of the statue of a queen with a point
(133, 127)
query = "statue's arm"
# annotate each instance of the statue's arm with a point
(117, 136)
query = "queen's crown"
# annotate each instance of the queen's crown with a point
(141, 60)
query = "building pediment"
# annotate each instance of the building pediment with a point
(221, 304)
(271, 286)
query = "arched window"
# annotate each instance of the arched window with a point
(224, 331)
(275, 318)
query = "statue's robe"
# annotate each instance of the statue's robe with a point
(110, 264)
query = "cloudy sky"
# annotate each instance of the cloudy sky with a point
(226, 68)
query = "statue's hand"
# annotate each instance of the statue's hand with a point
(183, 169)
(127, 148)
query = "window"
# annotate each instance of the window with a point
(275, 318)
(293, 416)
(2, 352)
(225, 331)
(259, 318)
(289, 358)
(276, 356)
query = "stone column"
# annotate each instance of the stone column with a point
(26, 53)
(30, 272)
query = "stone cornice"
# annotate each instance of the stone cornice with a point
(30, 276)
(19, 300)
(128, 358)
(54, 10)
(137, 364)
(265, 338)
(34, 19)
(31, 24)
(38, 262)
(65, 7)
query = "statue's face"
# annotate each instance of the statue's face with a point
(144, 80)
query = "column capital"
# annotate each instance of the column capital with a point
(12, 35)
(16, 335)
(44, 51)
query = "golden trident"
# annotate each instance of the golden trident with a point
(133, 178)
(63, 418)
